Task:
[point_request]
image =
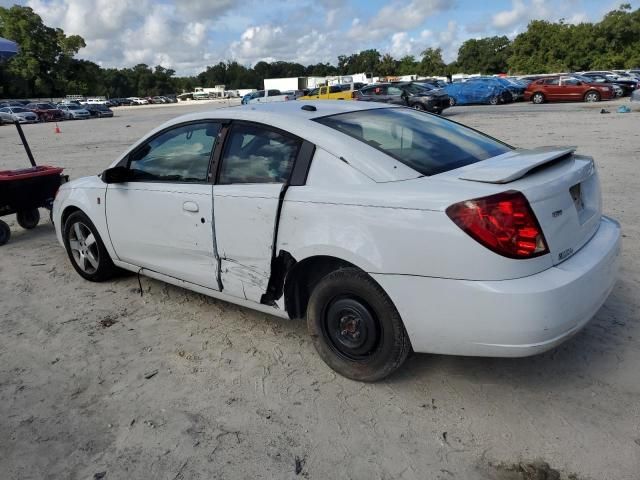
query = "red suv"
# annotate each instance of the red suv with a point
(567, 89)
(46, 112)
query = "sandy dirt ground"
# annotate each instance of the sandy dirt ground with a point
(239, 394)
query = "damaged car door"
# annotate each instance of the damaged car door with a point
(253, 171)
(160, 213)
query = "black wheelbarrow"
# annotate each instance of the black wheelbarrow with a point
(24, 191)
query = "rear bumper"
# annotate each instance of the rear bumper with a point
(508, 318)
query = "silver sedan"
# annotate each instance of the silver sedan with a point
(22, 115)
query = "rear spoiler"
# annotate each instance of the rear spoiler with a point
(513, 165)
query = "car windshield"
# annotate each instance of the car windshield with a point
(74, 107)
(417, 88)
(19, 110)
(427, 143)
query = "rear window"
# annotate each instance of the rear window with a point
(427, 143)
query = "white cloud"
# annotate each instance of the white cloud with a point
(520, 13)
(397, 17)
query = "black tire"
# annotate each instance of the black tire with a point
(5, 233)
(95, 258)
(495, 100)
(28, 219)
(355, 327)
(592, 96)
(418, 106)
(538, 98)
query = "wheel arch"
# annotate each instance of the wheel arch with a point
(303, 275)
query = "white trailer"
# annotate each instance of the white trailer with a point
(293, 83)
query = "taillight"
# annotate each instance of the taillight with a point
(504, 223)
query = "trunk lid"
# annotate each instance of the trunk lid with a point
(563, 190)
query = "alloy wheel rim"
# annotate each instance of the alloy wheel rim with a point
(84, 248)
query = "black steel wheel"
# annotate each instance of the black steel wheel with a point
(355, 327)
(85, 248)
(28, 219)
(5, 233)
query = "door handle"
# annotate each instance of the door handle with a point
(190, 206)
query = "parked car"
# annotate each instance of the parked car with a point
(139, 101)
(330, 92)
(269, 96)
(45, 112)
(21, 114)
(565, 88)
(516, 90)
(410, 94)
(74, 112)
(468, 93)
(387, 229)
(99, 111)
(249, 96)
(626, 84)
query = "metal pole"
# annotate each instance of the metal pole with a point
(25, 143)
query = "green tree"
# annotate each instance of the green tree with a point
(486, 55)
(432, 62)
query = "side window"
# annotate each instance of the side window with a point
(179, 155)
(569, 81)
(255, 154)
(551, 81)
(394, 91)
(335, 89)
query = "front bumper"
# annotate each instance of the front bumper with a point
(437, 104)
(508, 318)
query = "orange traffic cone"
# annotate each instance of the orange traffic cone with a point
(57, 130)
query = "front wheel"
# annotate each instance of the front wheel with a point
(86, 250)
(592, 97)
(28, 219)
(537, 98)
(355, 327)
(418, 106)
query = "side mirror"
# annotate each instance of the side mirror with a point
(116, 175)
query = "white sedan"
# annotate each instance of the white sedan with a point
(389, 230)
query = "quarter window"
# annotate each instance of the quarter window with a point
(179, 155)
(257, 155)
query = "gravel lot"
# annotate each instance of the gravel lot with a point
(239, 394)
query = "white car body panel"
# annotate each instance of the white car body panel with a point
(363, 207)
(245, 216)
(159, 226)
(512, 318)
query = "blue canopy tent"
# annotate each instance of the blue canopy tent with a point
(8, 49)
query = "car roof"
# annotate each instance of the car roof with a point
(290, 117)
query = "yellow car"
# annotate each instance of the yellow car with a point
(332, 92)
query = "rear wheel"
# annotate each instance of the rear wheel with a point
(28, 219)
(592, 96)
(418, 106)
(495, 100)
(537, 98)
(452, 101)
(355, 327)
(86, 250)
(5, 233)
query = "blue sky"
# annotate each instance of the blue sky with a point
(188, 35)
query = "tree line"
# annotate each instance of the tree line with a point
(47, 67)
